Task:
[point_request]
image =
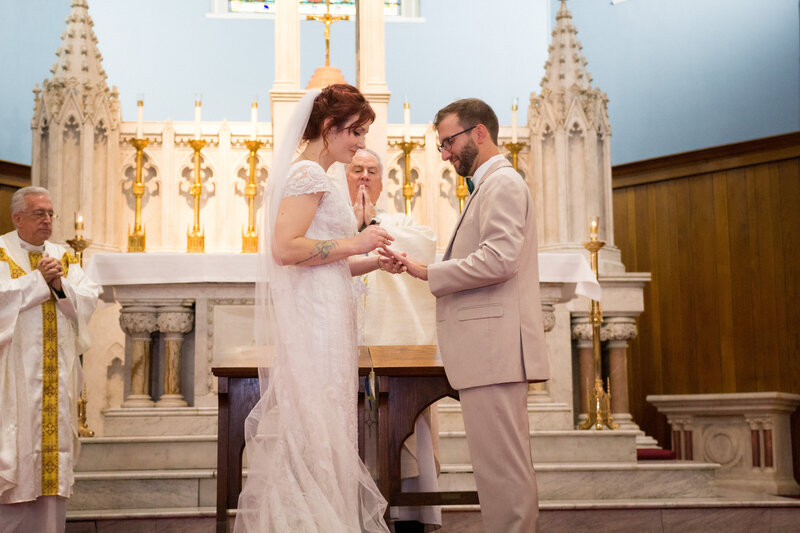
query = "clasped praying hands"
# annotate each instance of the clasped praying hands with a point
(51, 270)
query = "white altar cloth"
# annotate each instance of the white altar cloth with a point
(158, 268)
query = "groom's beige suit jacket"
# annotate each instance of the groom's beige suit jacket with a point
(488, 309)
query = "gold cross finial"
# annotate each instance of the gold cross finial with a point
(327, 19)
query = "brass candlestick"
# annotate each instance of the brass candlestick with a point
(136, 240)
(250, 236)
(79, 244)
(462, 191)
(598, 400)
(514, 149)
(408, 184)
(195, 236)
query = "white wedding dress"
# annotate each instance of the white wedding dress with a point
(304, 472)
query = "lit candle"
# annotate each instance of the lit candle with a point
(253, 120)
(406, 121)
(78, 225)
(593, 226)
(197, 106)
(514, 107)
(139, 116)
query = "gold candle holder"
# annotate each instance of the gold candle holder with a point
(408, 184)
(250, 236)
(136, 239)
(196, 240)
(462, 191)
(514, 149)
(598, 399)
(79, 244)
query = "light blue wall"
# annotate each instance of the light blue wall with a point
(680, 74)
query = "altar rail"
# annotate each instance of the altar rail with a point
(718, 229)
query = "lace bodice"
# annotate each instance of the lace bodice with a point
(334, 218)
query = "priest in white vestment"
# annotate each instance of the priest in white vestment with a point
(399, 310)
(45, 306)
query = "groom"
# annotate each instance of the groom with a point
(489, 316)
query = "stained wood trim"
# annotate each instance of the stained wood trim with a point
(716, 159)
(14, 174)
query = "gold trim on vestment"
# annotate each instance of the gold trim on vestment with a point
(66, 260)
(49, 390)
(16, 270)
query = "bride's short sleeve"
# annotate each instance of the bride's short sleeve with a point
(306, 178)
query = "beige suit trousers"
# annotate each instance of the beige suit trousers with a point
(496, 422)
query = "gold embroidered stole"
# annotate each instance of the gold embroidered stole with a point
(49, 391)
(49, 373)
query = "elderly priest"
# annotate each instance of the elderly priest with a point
(46, 305)
(399, 310)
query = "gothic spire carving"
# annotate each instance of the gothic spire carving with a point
(78, 56)
(78, 71)
(566, 66)
(570, 145)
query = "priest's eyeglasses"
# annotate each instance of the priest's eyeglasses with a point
(41, 214)
(447, 142)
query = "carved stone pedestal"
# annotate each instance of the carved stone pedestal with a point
(748, 434)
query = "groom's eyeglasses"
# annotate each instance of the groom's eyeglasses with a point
(447, 142)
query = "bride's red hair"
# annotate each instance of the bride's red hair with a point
(338, 102)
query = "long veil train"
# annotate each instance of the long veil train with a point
(303, 469)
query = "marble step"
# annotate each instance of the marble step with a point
(606, 481)
(555, 446)
(148, 453)
(745, 513)
(549, 415)
(143, 421)
(143, 489)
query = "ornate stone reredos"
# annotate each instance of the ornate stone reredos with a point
(567, 95)
(78, 86)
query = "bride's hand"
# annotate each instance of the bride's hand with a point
(413, 267)
(390, 265)
(372, 237)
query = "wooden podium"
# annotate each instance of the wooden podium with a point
(408, 379)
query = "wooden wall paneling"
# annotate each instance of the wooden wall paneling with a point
(788, 320)
(687, 282)
(771, 268)
(749, 259)
(675, 373)
(704, 256)
(652, 362)
(735, 296)
(719, 229)
(649, 348)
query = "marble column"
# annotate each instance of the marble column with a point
(286, 91)
(617, 331)
(174, 322)
(582, 335)
(371, 70)
(138, 323)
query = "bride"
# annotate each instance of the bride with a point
(304, 472)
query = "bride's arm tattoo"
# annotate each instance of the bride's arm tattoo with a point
(323, 248)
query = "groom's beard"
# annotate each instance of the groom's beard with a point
(466, 159)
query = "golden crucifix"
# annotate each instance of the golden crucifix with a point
(327, 19)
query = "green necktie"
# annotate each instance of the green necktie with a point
(470, 185)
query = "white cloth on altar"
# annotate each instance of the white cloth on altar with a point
(162, 267)
(400, 310)
(21, 368)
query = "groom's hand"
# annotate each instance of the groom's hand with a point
(413, 267)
